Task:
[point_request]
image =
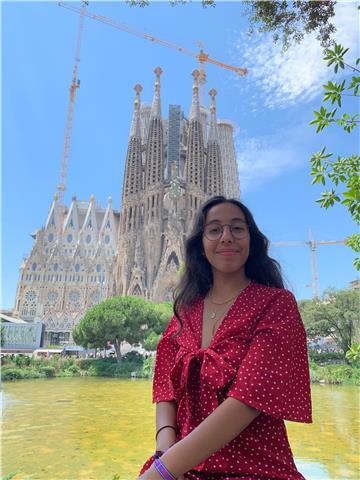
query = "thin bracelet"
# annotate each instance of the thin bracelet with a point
(159, 453)
(162, 470)
(162, 428)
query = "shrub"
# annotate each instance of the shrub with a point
(22, 361)
(335, 374)
(84, 363)
(48, 371)
(6, 360)
(11, 374)
(325, 357)
(32, 373)
(66, 363)
(133, 357)
(148, 367)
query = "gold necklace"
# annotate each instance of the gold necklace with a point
(217, 321)
(226, 301)
(213, 314)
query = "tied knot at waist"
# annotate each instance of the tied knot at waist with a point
(215, 373)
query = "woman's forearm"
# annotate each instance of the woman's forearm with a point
(218, 429)
(165, 415)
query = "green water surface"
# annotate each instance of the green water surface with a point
(93, 428)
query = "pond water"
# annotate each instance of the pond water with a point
(93, 428)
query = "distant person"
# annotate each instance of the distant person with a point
(232, 364)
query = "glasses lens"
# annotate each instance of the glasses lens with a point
(239, 230)
(212, 232)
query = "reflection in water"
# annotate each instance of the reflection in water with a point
(332, 441)
(94, 428)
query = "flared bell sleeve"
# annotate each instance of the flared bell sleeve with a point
(274, 375)
(165, 359)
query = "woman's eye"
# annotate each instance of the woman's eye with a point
(238, 228)
(215, 230)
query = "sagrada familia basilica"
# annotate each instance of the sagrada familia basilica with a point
(86, 253)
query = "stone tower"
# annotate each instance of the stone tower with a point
(157, 215)
(86, 253)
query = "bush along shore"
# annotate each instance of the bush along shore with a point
(324, 367)
(24, 367)
(331, 367)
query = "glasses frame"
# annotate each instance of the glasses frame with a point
(222, 227)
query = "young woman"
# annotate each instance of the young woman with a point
(232, 364)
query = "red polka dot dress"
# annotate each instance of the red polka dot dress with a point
(258, 356)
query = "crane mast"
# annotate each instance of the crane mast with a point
(75, 84)
(312, 244)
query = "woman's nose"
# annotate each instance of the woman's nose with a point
(226, 234)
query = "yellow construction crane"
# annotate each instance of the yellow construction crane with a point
(75, 84)
(312, 244)
(201, 56)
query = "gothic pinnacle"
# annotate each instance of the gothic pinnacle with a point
(138, 89)
(213, 128)
(195, 104)
(156, 105)
(212, 94)
(135, 124)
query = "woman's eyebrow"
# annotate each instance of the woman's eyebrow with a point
(232, 220)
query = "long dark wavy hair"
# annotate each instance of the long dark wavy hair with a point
(197, 278)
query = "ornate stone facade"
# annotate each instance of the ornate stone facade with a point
(180, 171)
(70, 267)
(86, 253)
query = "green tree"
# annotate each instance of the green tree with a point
(116, 320)
(336, 315)
(289, 21)
(163, 313)
(342, 172)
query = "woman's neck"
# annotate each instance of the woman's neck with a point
(227, 284)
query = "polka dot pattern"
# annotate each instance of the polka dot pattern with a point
(258, 356)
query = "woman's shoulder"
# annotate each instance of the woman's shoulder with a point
(270, 294)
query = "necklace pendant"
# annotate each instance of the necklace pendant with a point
(212, 315)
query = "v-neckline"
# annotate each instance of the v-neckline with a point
(202, 305)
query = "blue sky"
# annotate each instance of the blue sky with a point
(271, 109)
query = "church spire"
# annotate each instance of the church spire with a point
(213, 134)
(156, 104)
(135, 125)
(195, 145)
(213, 171)
(154, 164)
(195, 103)
(132, 178)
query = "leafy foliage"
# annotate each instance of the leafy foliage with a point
(120, 319)
(336, 315)
(344, 171)
(353, 354)
(335, 374)
(290, 21)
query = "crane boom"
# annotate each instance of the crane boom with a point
(75, 84)
(201, 56)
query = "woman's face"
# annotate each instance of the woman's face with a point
(227, 254)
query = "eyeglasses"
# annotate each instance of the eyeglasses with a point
(214, 231)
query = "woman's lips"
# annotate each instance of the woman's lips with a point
(227, 253)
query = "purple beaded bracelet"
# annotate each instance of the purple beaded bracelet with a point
(162, 470)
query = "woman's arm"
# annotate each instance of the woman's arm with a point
(218, 429)
(165, 415)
